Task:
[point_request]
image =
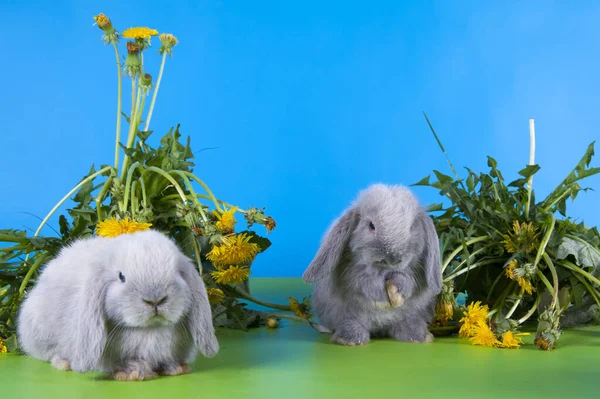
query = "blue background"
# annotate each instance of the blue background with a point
(308, 102)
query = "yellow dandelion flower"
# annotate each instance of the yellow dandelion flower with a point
(139, 33)
(3, 348)
(444, 312)
(226, 220)
(523, 237)
(525, 285)
(113, 227)
(234, 250)
(475, 316)
(511, 270)
(231, 275)
(511, 341)
(215, 295)
(300, 309)
(483, 335)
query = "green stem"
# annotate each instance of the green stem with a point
(515, 305)
(66, 197)
(590, 289)
(531, 162)
(119, 105)
(169, 178)
(133, 85)
(544, 243)
(499, 304)
(491, 291)
(134, 203)
(143, 187)
(133, 124)
(189, 186)
(130, 171)
(460, 248)
(560, 198)
(541, 276)
(244, 295)
(568, 265)
(459, 266)
(473, 266)
(160, 73)
(531, 311)
(100, 197)
(554, 280)
(212, 196)
(33, 269)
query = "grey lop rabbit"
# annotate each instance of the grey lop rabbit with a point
(132, 305)
(377, 272)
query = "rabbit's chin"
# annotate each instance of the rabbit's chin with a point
(158, 321)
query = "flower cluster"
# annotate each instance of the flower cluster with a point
(522, 275)
(113, 227)
(524, 237)
(3, 348)
(481, 331)
(301, 309)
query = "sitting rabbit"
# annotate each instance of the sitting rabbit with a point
(132, 305)
(377, 272)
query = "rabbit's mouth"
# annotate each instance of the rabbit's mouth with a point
(158, 320)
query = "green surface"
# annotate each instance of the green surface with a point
(297, 362)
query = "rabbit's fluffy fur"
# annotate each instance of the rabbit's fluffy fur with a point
(132, 305)
(377, 272)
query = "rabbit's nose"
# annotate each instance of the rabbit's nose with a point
(155, 302)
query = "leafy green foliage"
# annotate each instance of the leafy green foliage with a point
(497, 241)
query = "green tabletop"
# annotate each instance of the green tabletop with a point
(297, 362)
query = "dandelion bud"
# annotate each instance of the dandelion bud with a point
(272, 322)
(255, 215)
(168, 41)
(133, 63)
(104, 23)
(548, 330)
(146, 83)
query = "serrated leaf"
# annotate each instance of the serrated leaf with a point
(423, 182)
(442, 178)
(583, 254)
(529, 171)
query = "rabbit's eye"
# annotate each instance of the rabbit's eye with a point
(371, 226)
(121, 277)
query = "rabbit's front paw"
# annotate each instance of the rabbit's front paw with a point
(60, 363)
(395, 298)
(175, 369)
(351, 335)
(411, 334)
(135, 371)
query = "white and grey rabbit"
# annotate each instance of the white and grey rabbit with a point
(133, 305)
(377, 272)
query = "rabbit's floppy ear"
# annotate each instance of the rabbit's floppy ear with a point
(89, 327)
(431, 253)
(332, 248)
(200, 316)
